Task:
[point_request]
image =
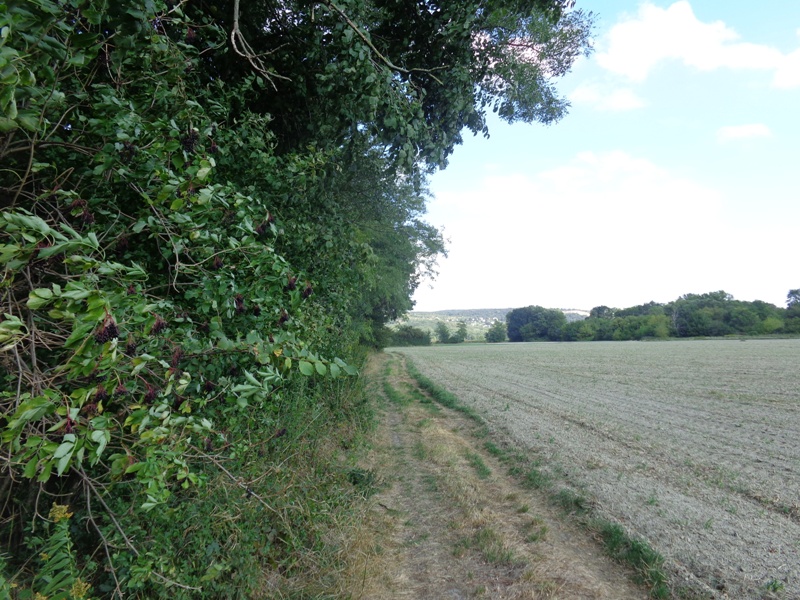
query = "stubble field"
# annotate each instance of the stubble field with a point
(692, 446)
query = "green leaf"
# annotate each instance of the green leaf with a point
(30, 468)
(306, 368)
(64, 449)
(45, 474)
(320, 368)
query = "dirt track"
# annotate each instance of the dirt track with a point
(691, 446)
(452, 524)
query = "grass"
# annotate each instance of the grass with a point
(480, 467)
(493, 449)
(535, 530)
(648, 563)
(489, 543)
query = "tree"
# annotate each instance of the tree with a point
(793, 298)
(409, 76)
(442, 331)
(461, 333)
(535, 323)
(406, 335)
(792, 320)
(496, 333)
(601, 312)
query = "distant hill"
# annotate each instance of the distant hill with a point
(478, 320)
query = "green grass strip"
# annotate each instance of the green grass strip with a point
(438, 393)
(648, 563)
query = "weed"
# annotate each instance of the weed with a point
(571, 502)
(648, 563)
(523, 509)
(493, 449)
(535, 530)
(364, 480)
(774, 585)
(480, 467)
(491, 545)
(535, 479)
(392, 394)
(419, 451)
(431, 483)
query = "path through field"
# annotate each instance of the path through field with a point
(693, 446)
(453, 525)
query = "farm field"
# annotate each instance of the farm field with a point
(693, 446)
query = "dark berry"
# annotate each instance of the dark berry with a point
(307, 292)
(150, 394)
(101, 395)
(208, 386)
(159, 326)
(284, 317)
(292, 283)
(130, 347)
(217, 263)
(108, 331)
(189, 141)
(256, 311)
(177, 355)
(122, 243)
(121, 390)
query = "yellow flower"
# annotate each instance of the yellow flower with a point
(59, 512)
(79, 589)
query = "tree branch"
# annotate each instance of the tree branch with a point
(248, 53)
(384, 60)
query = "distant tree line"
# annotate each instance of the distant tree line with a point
(692, 315)
(407, 335)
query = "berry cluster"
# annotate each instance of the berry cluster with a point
(107, 332)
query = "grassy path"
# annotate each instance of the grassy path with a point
(447, 521)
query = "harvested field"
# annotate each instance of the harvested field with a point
(692, 446)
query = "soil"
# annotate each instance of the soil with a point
(690, 446)
(449, 522)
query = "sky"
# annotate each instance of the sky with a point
(676, 171)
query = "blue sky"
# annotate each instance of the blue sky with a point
(676, 171)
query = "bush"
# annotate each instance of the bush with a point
(406, 335)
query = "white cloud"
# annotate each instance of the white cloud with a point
(615, 100)
(608, 228)
(738, 132)
(635, 46)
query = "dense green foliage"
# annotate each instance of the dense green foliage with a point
(693, 315)
(207, 210)
(444, 335)
(534, 323)
(406, 335)
(496, 333)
